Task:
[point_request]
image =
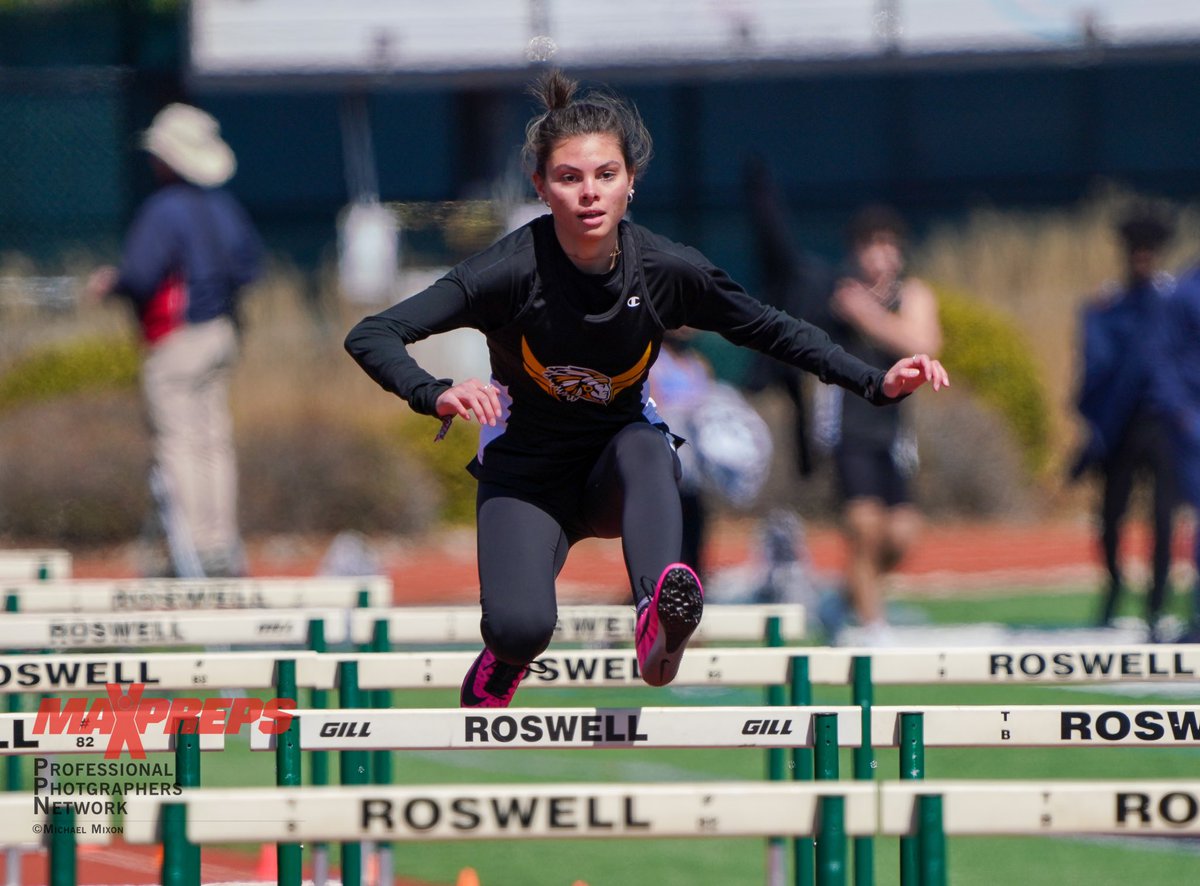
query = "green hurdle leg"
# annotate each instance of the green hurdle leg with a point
(912, 767)
(831, 829)
(864, 766)
(319, 760)
(381, 766)
(932, 840)
(289, 857)
(353, 770)
(12, 764)
(802, 769)
(63, 868)
(181, 859)
(776, 764)
(363, 601)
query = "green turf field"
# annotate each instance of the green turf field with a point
(725, 862)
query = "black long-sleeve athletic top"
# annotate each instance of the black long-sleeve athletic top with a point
(570, 351)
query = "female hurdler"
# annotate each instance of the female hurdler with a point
(574, 306)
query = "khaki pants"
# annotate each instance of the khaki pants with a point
(185, 380)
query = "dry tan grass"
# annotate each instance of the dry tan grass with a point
(1038, 267)
(293, 367)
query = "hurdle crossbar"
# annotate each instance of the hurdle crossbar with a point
(188, 594)
(771, 666)
(1000, 664)
(286, 627)
(1043, 726)
(751, 666)
(483, 729)
(66, 733)
(156, 671)
(379, 812)
(46, 563)
(27, 824)
(579, 624)
(765, 727)
(1047, 807)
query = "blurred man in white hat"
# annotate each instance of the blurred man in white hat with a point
(189, 252)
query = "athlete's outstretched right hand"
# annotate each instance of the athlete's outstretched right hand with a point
(470, 399)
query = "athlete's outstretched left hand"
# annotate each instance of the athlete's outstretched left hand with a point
(910, 373)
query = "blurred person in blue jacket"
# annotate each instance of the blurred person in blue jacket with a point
(187, 255)
(1176, 393)
(1126, 437)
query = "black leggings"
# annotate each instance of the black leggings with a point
(631, 492)
(1143, 448)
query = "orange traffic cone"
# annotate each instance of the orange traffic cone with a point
(268, 864)
(467, 877)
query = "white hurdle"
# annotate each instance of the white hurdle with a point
(27, 825)
(424, 625)
(63, 734)
(103, 630)
(1042, 726)
(176, 594)
(157, 671)
(489, 728)
(925, 810)
(462, 812)
(702, 666)
(738, 727)
(999, 664)
(579, 624)
(680, 809)
(35, 564)
(1047, 807)
(772, 666)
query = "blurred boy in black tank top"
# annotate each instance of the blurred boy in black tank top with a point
(879, 316)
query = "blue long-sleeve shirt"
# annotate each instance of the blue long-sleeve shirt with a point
(1177, 376)
(200, 237)
(1120, 359)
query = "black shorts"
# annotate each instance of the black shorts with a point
(870, 473)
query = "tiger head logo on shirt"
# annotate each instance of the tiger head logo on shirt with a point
(572, 383)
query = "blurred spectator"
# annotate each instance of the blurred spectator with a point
(728, 451)
(190, 250)
(679, 381)
(878, 315)
(1125, 435)
(793, 281)
(1176, 394)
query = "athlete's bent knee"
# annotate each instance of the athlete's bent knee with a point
(518, 637)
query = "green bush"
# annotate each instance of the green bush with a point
(985, 351)
(84, 365)
(446, 460)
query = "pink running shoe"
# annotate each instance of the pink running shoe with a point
(663, 627)
(490, 683)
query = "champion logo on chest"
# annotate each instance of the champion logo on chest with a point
(572, 383)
